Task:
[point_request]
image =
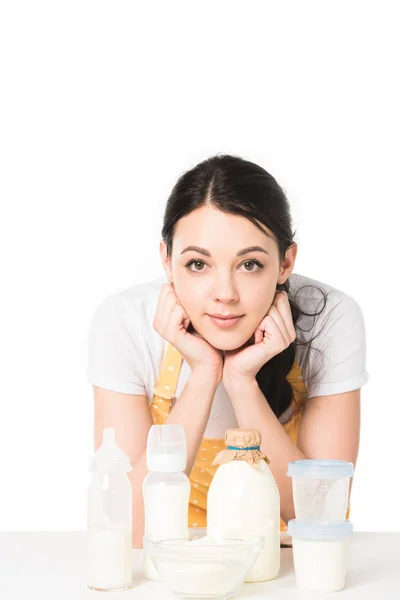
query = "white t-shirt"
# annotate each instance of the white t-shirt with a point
(125, 353)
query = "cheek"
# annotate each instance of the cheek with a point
(188, 299)
(259, 305)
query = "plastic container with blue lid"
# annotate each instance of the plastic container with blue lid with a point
(320, 489)
(320, 469)
(309, 530)
(320, 553)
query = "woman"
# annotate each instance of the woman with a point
(225, 339)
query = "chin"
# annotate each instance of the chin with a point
(219, 343)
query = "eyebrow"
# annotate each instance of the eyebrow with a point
(238, 253)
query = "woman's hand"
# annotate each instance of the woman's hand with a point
(171, 321)
(273, 335)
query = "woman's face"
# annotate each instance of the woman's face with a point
(222, 276)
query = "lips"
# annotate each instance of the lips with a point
(225, 323)
(223, 316)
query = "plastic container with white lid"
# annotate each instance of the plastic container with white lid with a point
(320, 489)
(320, 552)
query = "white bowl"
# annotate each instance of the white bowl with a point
(203, 570)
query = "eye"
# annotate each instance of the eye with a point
(196, 262)
(254, 262)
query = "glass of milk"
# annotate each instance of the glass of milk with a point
(320, 489)
(320, 552)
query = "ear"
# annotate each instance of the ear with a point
(166, 261)
(287, 264)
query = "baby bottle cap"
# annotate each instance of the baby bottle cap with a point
(320, 469)
(166, 448)
(109, 455)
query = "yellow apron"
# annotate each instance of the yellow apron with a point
(203, 469)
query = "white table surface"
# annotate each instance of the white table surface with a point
(52, 565)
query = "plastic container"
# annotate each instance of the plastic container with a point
(320, 552)
(243, 500)
(166, 490)
(109, 518)
(203, 567)
(320, 489)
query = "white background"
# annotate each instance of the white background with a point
(103, 106)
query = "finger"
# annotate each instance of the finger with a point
(167, 301)
(277, 317)
(276, 297)
(258, 335)
(282, 304)
(171, 315)
(160, 303)
(170, 301)
(273, 332)
(165, 290)
(175, 319)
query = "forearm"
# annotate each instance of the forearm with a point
(253, 411)
(191, 410)
(136, 477)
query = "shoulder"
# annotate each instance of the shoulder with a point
(331, 334)
(134, 306)
(125, 319)
(322, 306)
(306, 289)
(124, 350)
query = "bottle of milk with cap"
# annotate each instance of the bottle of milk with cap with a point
(166, 490)
(243, 499)
(109, 517)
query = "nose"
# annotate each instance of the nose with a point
(225, 291)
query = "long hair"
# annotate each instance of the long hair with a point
(236, 186)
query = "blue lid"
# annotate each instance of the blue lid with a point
(320, 469)
(308, 530)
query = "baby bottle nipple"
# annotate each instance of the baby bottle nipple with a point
(109, 454)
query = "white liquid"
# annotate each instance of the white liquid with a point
(244, 501)
(166, 516)
(320, 565)
(109, 558)
(202, 578)
(320, 499)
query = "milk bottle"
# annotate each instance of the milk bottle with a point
(166, 489)
(243, 499)
(109, 518)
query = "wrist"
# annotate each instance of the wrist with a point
(238, 381)
(205, 377)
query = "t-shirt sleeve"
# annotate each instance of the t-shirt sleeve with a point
(339, 364)
(113, 353)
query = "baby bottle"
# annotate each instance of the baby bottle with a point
(166, 490)
(243, 499)
(109, 516)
